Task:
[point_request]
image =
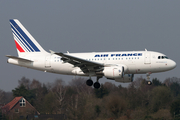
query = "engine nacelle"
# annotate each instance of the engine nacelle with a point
(115, 72)
(127, 78)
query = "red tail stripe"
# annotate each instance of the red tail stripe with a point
(19, 47)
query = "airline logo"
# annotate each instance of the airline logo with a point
(118, 55)
(22, 38)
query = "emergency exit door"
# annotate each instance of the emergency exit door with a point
(48, 61)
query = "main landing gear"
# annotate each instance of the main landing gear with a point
(97, 85)
(148, 78)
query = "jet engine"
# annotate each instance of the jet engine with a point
(114, 72)
(117, 73)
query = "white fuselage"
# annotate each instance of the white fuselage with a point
(118, 66)
(137, 62)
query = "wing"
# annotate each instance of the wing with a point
(85, 65)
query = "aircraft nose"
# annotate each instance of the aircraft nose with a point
(172, 64)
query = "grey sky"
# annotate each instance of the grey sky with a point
(90, 26)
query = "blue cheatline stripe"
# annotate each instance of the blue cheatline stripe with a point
(19, 40)
(25, 36)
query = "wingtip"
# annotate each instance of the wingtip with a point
(52, 52)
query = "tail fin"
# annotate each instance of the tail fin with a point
(25, 43)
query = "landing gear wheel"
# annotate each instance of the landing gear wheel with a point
(97, 85)
(148, 78)
(89, 82)
(149, 82)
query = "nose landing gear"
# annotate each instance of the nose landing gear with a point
(148, 78)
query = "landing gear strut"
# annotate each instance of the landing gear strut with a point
(148, 79)
(96, 85)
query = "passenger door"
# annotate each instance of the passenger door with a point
(147, 58)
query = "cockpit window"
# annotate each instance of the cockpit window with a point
(162, 57)
(165, 57)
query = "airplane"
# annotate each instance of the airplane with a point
(119, 66)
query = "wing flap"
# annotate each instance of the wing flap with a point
(85, 65)
(80, 60)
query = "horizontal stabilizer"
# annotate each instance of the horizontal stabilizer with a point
(18, 58)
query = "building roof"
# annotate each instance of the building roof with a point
(11, 104)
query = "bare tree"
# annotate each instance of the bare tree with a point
(60, 91)
(77, 95)
(172, 80)
(79, 85)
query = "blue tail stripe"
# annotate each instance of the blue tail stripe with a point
(18, 37)
(25, 36)
(22, 39)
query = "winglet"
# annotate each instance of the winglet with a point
(52, 52)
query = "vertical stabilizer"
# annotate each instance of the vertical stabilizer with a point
(25, 42)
